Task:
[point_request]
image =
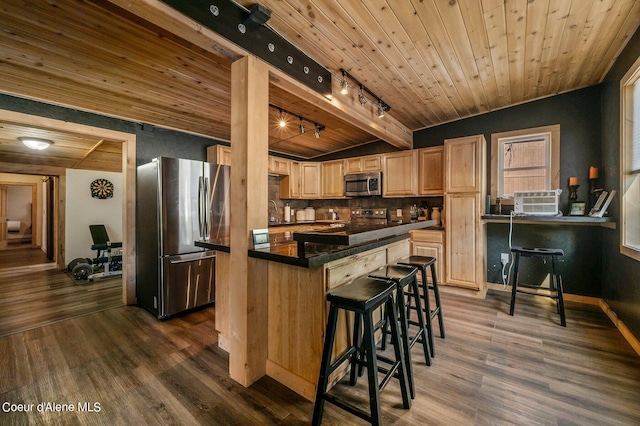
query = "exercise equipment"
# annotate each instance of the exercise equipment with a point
(105, 264)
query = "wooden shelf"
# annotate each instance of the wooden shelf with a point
(604, 222)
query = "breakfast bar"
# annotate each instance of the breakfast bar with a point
(298, 282)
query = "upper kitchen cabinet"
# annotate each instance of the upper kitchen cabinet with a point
(310, 181)
(400, 174)
(369, 163)
(279, 166)
(333, 179)
(219, 154)
(465, 160)
(430, 171)
(290, 184)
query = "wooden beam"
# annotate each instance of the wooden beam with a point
(366, 118)
(248, 315)
(88, 153)
(31, 169)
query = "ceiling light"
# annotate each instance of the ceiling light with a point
(361, 97)
(380, 109)
(344, 87)
(281, 120)
(316, 132)
(36, 143)
(283, 123)
(301, 126)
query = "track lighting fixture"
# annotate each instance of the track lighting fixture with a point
(361, 97)
(382, 107)
(282, 122)
(344, 86)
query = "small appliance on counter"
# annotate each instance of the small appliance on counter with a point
(300, 215)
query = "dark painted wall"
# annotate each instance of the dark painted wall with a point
(150, 141)
(621, 274)
(578, 114)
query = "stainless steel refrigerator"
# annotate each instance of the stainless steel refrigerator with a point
(178, 202)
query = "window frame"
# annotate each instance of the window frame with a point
(551, 132)
(629, 205)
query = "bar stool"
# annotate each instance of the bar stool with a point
(422, 263)
(556, 281)
(404, 276)
(363, 296)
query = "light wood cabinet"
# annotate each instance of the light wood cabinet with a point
(219, 154)
(400, 174)
(279, 166)
(333, 179)
(290, 184)
(310, 181)
(369, 163)
(464, 245)
(465, 164)
(431, 171)
(430, 243)
(465, 184)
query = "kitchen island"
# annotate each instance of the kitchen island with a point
(297, 286)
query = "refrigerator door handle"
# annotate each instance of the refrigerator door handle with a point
(205, 209)
(174, 262)
(200, 190)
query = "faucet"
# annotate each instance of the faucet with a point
(275, 209)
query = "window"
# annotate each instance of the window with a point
(630, 163)
(525, 160)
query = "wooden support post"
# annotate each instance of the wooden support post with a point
(249, 188)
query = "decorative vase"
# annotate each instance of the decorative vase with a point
(435, 215)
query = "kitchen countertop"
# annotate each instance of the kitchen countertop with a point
(284, 246)
(605, 222)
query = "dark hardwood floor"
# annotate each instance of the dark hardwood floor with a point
(34, 294)
(491, 369)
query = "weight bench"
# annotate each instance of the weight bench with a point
(102, 244)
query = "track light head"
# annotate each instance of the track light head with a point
(301, 126)
(344, 86)
(380, 109)
(281, 120)
(316, 132)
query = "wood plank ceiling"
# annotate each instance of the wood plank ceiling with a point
(432, 61)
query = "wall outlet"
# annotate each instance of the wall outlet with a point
(504, 258)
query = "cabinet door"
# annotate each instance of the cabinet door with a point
(310, 180)
(219, 154)
(290, 184)
(431, 171)
(371, 163)
(420, 248)
(464, 257)
(400, 174)
(279, 166)
(465, 164)
(333, 179)
(353, 165)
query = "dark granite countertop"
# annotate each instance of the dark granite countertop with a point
(285, 249)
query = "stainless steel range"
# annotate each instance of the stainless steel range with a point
(373, 216)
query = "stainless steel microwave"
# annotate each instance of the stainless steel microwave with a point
(363, 184)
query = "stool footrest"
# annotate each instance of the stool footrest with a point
(353, 410)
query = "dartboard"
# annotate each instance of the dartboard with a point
(101, 188)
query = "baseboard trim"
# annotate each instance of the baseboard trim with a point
(588, 300)
(633, 341)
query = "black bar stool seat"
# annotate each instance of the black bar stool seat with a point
(556, 280)
(362, 297)
(422, 263)
(406, 276)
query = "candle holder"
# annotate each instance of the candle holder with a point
(594, 192)
(573, 193)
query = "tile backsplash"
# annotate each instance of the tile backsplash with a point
(344, 206)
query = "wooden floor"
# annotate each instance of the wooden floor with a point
(34, 295)
(491, 369)
(21, 255)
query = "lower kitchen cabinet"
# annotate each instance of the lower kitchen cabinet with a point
(464, 242)
(430, 243)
